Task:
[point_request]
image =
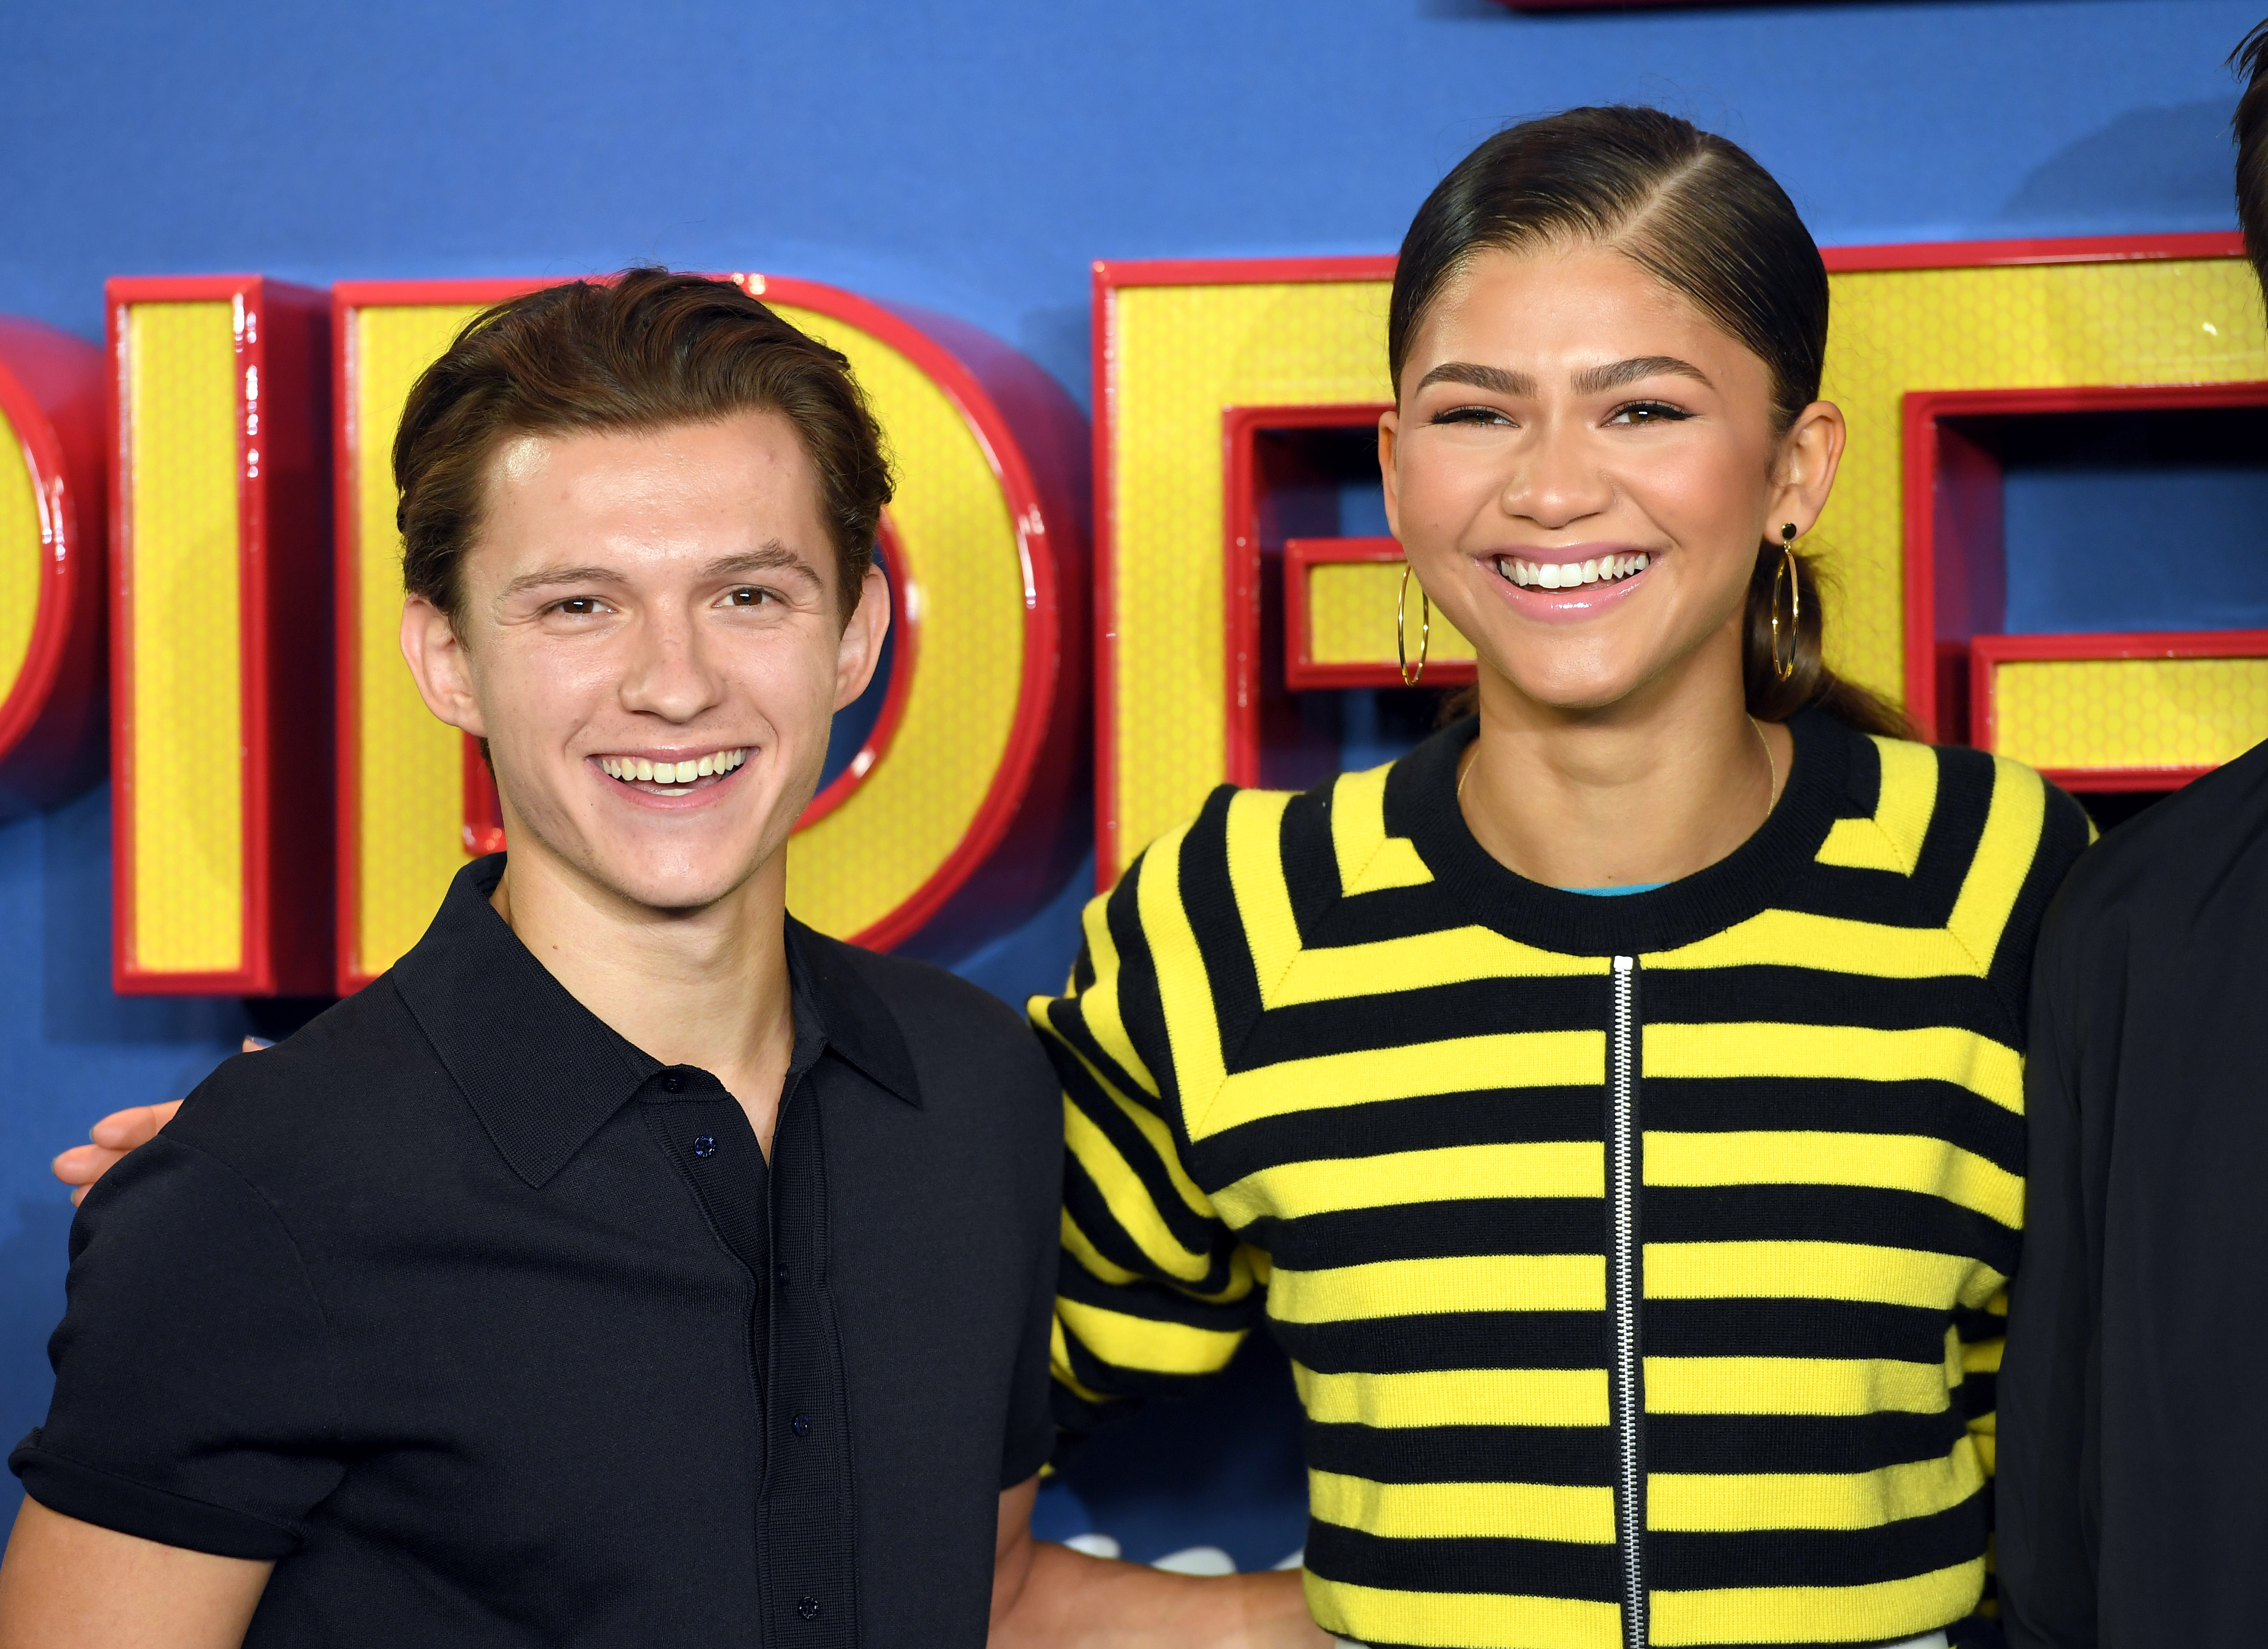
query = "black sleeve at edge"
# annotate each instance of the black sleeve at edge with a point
(2047, 1381)
(1031, 1432)
(195, 1403)
(109, 1501)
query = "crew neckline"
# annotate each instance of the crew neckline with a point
(1421, 804)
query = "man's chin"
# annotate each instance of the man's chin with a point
(675, 885)
(677, 891)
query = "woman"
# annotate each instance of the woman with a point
(1640, 1259)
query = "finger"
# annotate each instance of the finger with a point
(122, 1131)
(76, 1166)
(84, 1165)
(138, 1125)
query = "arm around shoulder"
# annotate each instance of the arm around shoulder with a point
(1046, 1596)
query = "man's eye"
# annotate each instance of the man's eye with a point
(1649, 412)
(580, 606)
(749, 595)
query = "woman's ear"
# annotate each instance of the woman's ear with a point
(1389, 430)
(1810, 454)
(440, 665)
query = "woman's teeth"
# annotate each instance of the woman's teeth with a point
(1567, 575)
(637, 769)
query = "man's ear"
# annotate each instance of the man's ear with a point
(860, 650)
(440, 666)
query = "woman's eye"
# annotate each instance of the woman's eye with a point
(1649, 412)
(1471, 415)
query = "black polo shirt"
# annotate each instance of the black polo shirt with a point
(492, 1330)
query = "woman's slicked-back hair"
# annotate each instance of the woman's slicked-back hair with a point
(2250, 60)
(641, 351)
(1698, 214)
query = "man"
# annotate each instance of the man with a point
(631, 1264)
(2133, 1444)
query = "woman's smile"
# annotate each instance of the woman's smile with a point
(1567, 584)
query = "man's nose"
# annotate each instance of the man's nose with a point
(668, 672)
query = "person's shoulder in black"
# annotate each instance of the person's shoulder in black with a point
(2132, 1445)
(486, 1327)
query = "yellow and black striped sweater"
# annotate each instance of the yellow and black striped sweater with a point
(1641, 1260)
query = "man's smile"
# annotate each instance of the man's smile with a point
(670, 772)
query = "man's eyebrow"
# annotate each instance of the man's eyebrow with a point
(1496, 380)
(544, 578)
(1597, 380)
(771, 557)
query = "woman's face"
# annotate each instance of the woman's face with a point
(1580, 468)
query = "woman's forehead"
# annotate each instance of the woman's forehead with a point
(1578, 303)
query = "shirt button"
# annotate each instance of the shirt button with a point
(674, 1083)
(807, 1606)
(801, 1425)
(705, 1146)
(780, 1275)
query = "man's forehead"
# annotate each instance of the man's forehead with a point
(756, 444)
(718, 498)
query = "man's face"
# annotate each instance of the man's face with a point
(648, 638)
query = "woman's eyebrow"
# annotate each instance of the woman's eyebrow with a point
(1496, 380)
(1597, 380)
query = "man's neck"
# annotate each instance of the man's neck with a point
(707, 987)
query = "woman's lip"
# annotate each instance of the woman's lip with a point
(1568, 605)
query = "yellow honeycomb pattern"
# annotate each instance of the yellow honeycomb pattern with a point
(23, 554)
(851, 869)
(183, 563)
(1350, 611)
(2072, 714)
(1178, 356)
(409, 773)
(2032, 326)
(958, 544)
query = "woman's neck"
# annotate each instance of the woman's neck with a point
(1647, 790)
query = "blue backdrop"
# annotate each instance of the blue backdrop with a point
(975, 159)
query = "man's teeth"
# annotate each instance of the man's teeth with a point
(638, 769)
(1566, 575)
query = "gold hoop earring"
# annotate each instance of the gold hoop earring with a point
(1409, 677)
(1785, 668)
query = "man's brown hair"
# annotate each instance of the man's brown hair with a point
(643, 350)
(2250, 126)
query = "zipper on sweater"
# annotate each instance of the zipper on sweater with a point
(1624, 1290)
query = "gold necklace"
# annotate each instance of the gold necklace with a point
(1771, 766)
